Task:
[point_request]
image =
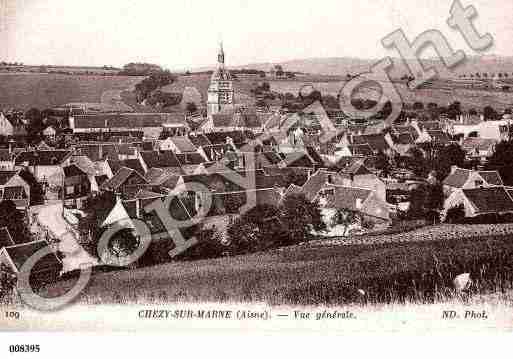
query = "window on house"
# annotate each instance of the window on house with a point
(479, 183)
(70, 189)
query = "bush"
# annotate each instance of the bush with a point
(258, 229)
(210, 245)
(300, 217)
(455, 214)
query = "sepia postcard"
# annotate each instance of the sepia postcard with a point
(264, 166)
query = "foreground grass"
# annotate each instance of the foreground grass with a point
(419, 272)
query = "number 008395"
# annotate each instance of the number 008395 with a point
(24, 348)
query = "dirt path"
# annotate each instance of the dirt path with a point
(75, 257)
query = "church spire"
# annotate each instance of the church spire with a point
(220, 55)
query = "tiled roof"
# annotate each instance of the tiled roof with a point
(377, 142)
(318, 181)
(299, 159)
(347, 198)
(43, 158)
(19, 254)
(361, 149)
(5, 176)
(491, 199)
(430, 125)
(192, 158)
(121, 177)
(124, 120)
(356, 168)
(73, 170)
(404, 139)
(439, 136)
(5, 155)
(492, 177)
(479, 144)
(160, 159)
(134, 164)
(217, 152)
(457, 178)
(184, 144)
(238, 137)
(199, 140)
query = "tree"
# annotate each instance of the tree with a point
(502, 160)
(35, 124)
(446, 157)
(258, 229)
(191, 107)
(454, 110)
(418, 106)
(15, 221)
(210, 245)
(381, 163)
(300, 217)
(344, 217)
(37, 195)
(490, 114)
(455, 214)
(90, 226)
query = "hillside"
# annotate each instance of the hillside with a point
(349, 65)
(26, 90)
(417, 266)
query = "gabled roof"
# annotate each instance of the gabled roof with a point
(238, 137)
(5, 155)
(489, 200)
(430, 125)
(479, 144)
(318, 181)
(460, 176)
(299, 159)
(377, 141)
(356, 168)
(183, 144)
(5, 176)
(199, 140)
(157, 176)
(439, 136)
(160, 159)
(192, 158)
(43, 158)
(5, 238)
(347, 198)
(133, 163)
(404, 139)
(457, 178)
(19, 254)
(73, 170)
(363, 149)
(121, 177)
(492, 177)
(216, 152)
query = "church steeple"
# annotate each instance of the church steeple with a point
(220, 55)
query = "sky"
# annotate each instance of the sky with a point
(183, 34)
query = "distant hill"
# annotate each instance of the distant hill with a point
(490, 64)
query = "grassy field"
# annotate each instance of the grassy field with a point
(419, 272)
(441, 93)
(26, 90)
(201, 82)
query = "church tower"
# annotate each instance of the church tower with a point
(220, 91)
